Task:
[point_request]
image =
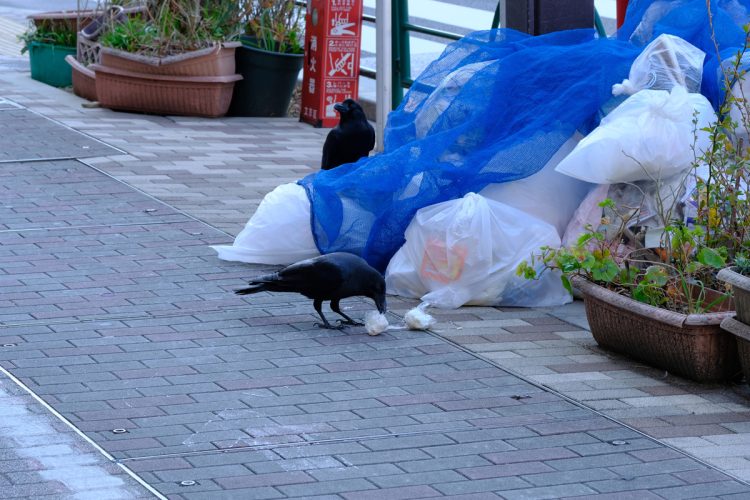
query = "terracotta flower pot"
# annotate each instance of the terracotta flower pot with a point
(165, 95)
(84, 82)
(217, 60)
(690, 345)
(741, 333)
(740, 290)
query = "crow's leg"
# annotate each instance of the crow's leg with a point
(318, 304)
(349, 321)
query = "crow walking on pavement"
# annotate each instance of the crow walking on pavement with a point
(352, 139)
(333, 277)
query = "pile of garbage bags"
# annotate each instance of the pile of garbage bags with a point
(507, 143)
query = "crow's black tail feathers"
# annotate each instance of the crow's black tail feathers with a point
(259, 287)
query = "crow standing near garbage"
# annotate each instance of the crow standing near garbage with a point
(352, 139)
(333, 277)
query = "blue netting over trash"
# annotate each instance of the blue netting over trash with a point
(493, 108)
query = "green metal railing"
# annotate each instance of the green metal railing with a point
(401, 54)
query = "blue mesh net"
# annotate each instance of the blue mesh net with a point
(493, 108)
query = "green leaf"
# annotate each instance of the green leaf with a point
(566, 284)
(605, 271)
(656, 275)
(710, 257)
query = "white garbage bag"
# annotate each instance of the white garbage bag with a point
(665, 63)
(278, 233)
(466, 251)
(649, 136)
(547, 195)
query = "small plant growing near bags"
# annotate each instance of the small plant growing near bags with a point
(673, 276)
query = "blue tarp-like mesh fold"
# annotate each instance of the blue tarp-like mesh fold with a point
(495, 107)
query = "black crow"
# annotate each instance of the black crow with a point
(333, 277)
(352, 139)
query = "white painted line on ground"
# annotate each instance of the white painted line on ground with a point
(75, 429)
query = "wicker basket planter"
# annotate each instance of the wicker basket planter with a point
(84, 82)
(741, 333)
(693, 346)
(165, 95)
(211, 61)
(740, 291)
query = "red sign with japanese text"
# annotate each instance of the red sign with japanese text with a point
(332, 50)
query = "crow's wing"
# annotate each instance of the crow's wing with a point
(313, 278)
(333, 142)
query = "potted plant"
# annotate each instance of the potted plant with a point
(176, 58)
(270, 58)
(657, 307)
(48, 42)
(725, 208)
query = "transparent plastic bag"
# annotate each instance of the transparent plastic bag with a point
(649, 136)
(665, 63)
(279, 231)
(466, 251)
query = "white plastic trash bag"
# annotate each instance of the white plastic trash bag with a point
(649, 136)
(278, 233)
(665, 63)
(547, 195)
(466, 251)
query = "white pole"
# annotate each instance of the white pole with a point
(383, 83)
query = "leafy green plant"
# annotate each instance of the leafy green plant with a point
(724, 203)
(132, 35)
(275, 25)
(174, 26)
(48, 32)
(674, 276)
(742, 264)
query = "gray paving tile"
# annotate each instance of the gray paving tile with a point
(30, 136)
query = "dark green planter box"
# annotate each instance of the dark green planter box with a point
(48, 64)
(268, 82)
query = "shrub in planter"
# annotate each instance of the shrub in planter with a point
(175, 47)
(270, 58)
(657, 307)
(48, 43)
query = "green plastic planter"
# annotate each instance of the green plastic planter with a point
(268, 82)
(48, 64)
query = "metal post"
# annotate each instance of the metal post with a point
(402, 64)
(384, 80)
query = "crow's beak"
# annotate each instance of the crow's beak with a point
(339, 106)
(380, 304)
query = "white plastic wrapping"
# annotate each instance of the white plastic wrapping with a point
(649, 136)
(278, 233)
(418, 318)
(665, 63)
(375, 323)
(466, 251)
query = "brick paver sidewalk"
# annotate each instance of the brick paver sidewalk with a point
(118, 315)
